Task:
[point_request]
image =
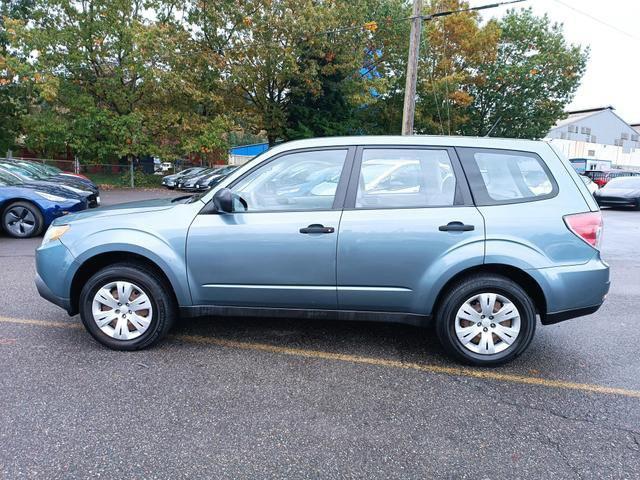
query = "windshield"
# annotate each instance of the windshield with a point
(46, 169)
(8, 179)
(624, 182)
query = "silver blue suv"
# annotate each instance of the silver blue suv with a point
(478, 235)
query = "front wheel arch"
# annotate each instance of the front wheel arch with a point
(100, 261)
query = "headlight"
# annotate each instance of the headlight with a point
(51, 198)
(54, 232)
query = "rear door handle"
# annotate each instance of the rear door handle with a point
(317, 228)
(456, 227)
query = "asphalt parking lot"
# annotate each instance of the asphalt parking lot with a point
(264, 398)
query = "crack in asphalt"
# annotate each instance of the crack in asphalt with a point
(632, 434)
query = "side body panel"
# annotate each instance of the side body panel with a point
(262, 259)
(398, 260)
(161, 239)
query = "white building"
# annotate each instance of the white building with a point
(598, 134)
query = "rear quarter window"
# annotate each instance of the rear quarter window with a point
(507, 176)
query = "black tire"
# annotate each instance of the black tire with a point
(24, 206)
(460, 293)
(163, 303)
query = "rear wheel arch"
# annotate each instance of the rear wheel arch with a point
(522, 278)
(96, 263)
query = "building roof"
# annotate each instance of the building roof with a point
(575, 115)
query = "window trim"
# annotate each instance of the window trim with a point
(462, 197)
(341, 189)
(476, 182)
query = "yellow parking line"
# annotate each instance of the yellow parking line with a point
(41, 323)
(379, 362)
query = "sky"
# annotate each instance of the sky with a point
(613, 71)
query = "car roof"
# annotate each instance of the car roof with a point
(426, 140)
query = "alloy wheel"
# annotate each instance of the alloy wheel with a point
(122, 310)
(487, 323)
(20, 221)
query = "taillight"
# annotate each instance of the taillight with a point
(587, 226)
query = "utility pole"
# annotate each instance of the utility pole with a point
(409, 110)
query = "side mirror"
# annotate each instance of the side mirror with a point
(223, 200)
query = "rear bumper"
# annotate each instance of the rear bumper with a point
(573, 291)
(551, 318)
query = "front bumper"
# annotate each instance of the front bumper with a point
(54, 273)
(46, 293)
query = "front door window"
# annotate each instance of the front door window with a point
(297, 181)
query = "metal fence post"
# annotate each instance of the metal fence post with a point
(131, 171)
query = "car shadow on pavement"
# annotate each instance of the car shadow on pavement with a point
(350, 337)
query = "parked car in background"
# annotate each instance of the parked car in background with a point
(19, 175)
(188, 182)
(55, 171)
(27, 210)
(160, 167)
(601, 177)
(620, 192)
(212, 179)
(479, 235)
(591, 185)
(170, 181)
(30, 173)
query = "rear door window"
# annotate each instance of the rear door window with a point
(506, 176)
(405, 178)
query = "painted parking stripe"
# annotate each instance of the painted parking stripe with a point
(379, 362)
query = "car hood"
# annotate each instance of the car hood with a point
(46, 187)
(120, 209)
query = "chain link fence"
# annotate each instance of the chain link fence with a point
(138, 173)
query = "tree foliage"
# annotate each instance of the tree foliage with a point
(116, 78)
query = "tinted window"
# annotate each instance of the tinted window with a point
(405, 178)
(296, 181)
(501, 176)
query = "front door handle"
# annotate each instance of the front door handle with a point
(456, 227)
(317, 228)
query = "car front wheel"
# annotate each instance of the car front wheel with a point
(486, 320)
(127, 307)
(22, 220)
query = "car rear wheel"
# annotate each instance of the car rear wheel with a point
(127, 307)
(22, 220)
(486, 320)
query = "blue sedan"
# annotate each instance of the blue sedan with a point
(27, 210)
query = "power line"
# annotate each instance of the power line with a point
(596, 19)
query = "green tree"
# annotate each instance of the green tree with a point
(534, 75)
(277, 58)
(14, 94)
(114, 79)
